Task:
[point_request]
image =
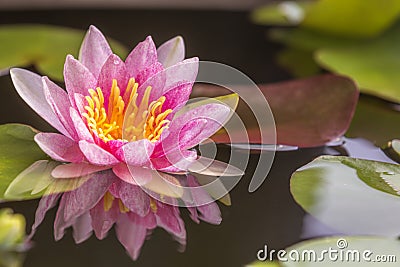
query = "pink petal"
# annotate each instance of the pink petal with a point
(175, 140)
(84, 198)
(30, 87)
(131, 235)
(113, 68)
(168, 217)
(94, 51)
(194, 126)
(141, 57)
(102, 220)
(177, 96)
(133, 197)
(82, 228)
(45, 204)
(80, 126)
(132, 174)
(148, 72)
(184, 72)
(175, 161)
(136, 153)
(74, 170)
(96, 155)
(59, 102)
(171, 52)
(80, 103)
(209, 212)
(59, 147)
(78, 79)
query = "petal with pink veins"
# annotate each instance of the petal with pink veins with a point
(102, 220)
(84, 198)
(142, 56)
(74, 170)
(96, 155)
(80, 126)
(136, 153)
(113, 68)
(94, 50)
(133, 197)
(59, 102)
(177, 96)
(30, 87)
(175, 161)
(78, 79)
(171, 52)
(59, 147)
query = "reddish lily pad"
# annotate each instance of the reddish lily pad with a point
(308, 112)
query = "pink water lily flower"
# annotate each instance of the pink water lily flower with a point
(121, 115)
(119, 124)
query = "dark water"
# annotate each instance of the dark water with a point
(267, 216)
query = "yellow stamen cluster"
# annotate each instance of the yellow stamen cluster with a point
(144, 120)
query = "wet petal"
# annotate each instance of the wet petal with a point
(171, 52)
(212, 167)
(30, 87)
(94, 51)
(59, 147)
(141, 57)
(113, 68)
(96, 155)
(74, 170)
(78, 79)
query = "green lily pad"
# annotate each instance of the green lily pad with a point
(12, 230)
(352, 196)
(374, 65)
(18, 151)
(43, 46)
(291, 57)
(375, 120)
(351, 18)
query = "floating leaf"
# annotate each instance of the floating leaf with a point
(352, 18)
(18, 151)
(308, 112)
(43, 46)
(374, 65)
(352, 196)
(298, 62)
(375, 120)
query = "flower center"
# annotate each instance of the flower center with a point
(144, 121)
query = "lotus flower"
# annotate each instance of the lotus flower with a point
(121, 124)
